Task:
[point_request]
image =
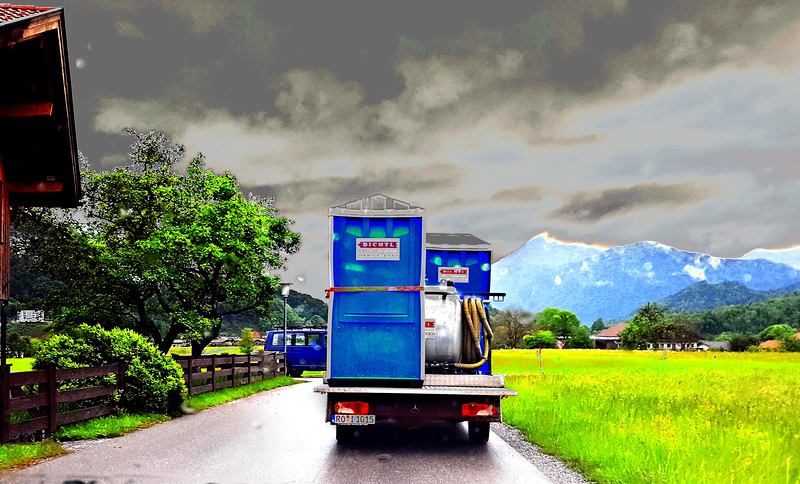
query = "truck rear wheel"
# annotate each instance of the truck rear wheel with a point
(478, 432)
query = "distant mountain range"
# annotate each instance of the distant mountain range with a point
(612, 283)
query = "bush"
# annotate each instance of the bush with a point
(153, 382)
(542, 339)
(791, 344)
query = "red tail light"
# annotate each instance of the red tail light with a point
(478, 410)
(354, 408)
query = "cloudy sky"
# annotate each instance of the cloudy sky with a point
(601, 121)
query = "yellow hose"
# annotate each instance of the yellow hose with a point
(475, 317)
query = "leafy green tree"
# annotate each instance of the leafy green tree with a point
(165, 253)
(542, 339)
(580, 339)
(246, 341)
(637, 334)
(559, 321)
(598, 325)
(777, 331)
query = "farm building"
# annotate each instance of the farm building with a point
(608, 339)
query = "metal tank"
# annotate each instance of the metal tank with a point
(443, 326)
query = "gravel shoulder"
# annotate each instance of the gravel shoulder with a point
(550, 466)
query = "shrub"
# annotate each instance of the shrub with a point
(542, 339)
(153, 382)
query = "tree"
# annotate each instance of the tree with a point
(740, 342)
(542, 339)
(652, 312)
(514, 320)
(164, 253)
(246, 342)
(559, 321)
(598, 325)
(580, 339)
(777, 331)
(636, 334)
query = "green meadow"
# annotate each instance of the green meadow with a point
(629, 417)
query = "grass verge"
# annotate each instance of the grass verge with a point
(636, 417)
(20, 455)
(205, 400)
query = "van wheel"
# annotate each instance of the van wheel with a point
(296, 373)
(478, 432)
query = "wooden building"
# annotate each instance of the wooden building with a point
(38, 151)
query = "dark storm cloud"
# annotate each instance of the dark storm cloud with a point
(591, 208)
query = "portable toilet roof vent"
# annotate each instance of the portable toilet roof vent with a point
(392, 207)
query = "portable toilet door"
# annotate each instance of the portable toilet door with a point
(377, 288)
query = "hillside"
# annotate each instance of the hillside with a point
(613, 283)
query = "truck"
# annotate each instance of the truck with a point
(409, 335)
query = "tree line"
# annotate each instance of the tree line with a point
(516, 328)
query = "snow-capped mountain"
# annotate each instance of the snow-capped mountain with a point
(790, 257)
(613, 283)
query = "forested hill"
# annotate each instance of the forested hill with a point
(750, 318)
(703, 296)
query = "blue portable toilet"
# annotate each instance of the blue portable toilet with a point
(377, 287)
(464, 260)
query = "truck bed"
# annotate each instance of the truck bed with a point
(485, 385)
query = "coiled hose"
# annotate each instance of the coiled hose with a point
(475, 320)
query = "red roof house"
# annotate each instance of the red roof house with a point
(608, 339)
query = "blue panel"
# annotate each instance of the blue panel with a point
(377, 346)
(348, 272)
(477, 262)
(376, 334)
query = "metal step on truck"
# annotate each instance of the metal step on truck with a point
(409, 336)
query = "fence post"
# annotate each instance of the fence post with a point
(249, 363)
(52, 387)
(5, 373)
(121, 369)
(189, 375)
(213, 373)
(233, 371)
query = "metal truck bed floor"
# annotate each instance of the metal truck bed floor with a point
(490, 385)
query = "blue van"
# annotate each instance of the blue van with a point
(306, 349)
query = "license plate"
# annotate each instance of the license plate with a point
(353, 419)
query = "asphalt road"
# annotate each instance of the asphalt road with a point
(280, 436)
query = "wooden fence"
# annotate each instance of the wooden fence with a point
(214, 372)
(42, 406)
(207, 374)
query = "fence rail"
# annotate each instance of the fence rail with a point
(214, 372)
(36, 392)
(42, 406)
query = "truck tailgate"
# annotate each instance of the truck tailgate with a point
(487, 385)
